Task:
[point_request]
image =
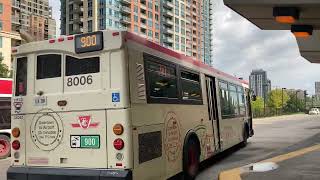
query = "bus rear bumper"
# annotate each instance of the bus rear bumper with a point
(28, 173)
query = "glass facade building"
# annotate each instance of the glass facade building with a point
(177, 24)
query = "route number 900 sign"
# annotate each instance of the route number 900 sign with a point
(89, 42)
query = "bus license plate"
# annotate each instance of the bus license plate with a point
(40, 101)
(92, 142)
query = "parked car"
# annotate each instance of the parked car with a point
(314, 111)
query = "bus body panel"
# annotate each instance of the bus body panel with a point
(81, 142)
(192, 118)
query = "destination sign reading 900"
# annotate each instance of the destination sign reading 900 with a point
(89, 42)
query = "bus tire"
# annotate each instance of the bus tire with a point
(245, 135)
(191, 159)
(5, 146)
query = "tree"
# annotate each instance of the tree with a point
(275, 99)
(4, 70)
(294, 104)
(257, 106)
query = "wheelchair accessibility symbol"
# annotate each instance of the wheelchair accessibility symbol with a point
(115, 97)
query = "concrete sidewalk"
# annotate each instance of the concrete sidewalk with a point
(298, 162)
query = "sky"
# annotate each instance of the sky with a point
(240, 46)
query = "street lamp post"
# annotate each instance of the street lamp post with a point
(305, 100)
(282, 97)
(264, 98)
(296, 101)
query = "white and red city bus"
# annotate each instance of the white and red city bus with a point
(113, 105)
(5, 117)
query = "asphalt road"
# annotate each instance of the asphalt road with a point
(271, 134)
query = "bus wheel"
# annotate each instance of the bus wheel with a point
(191, 159)
(4, 146)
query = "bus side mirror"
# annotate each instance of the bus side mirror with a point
(254, 97)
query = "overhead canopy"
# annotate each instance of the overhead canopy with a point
(260, 13)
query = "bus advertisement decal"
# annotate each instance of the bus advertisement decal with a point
(84, 122)
(173, 139)
(85, 141)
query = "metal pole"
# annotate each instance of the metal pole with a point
(264, 100)
(282, 101)
(296, 101)
(312, 101)
(305, 100)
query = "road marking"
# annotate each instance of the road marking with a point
(234, 174)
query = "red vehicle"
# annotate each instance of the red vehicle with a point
(5, 116)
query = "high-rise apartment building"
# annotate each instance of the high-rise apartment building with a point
(259, 83)
(34, 17)
(317, 88)
(79, 16)
(182, 25)
(6, 34)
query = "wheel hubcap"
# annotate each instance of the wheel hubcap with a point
(193, 161)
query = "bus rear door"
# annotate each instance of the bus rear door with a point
(213, 110)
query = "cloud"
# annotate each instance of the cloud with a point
(240, 46)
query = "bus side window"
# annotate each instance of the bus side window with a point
(162, 83)
(224, 99)
(21, 76)
(242, 102)
(191, 87)
(48, 66)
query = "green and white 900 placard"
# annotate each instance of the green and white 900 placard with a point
(85, 141)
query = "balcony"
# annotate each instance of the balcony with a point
(125, 10)
(78, 20)
(78, 9)
(168, 22)
(126, 2)
(168, 39)
(167, 13)
(78, 1)
(125, 20)
(16, 4)
(168, 31)
(15, 19)
(168, 4)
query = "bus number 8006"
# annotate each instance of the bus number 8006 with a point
(82, 80)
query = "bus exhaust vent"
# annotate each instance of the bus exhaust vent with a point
(141, 90)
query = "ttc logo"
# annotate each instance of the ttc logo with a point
(84, 122)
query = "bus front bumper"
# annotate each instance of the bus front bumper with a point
(33, 173)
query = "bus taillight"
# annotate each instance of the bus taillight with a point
(118, 129)
(16, 145)
(118, 144)
(15, 132)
